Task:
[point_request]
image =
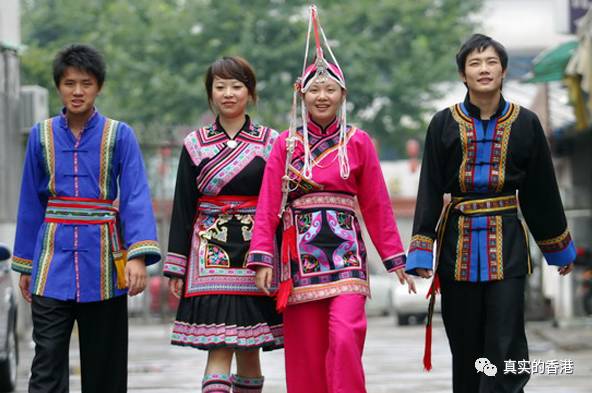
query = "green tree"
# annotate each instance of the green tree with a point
(393, 53)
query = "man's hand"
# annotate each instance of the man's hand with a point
(405, 278)
(24, 285)
(263, 278)
(135, 276)
(176, 286)
(564, 270)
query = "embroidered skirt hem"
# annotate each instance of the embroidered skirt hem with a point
(228, 321)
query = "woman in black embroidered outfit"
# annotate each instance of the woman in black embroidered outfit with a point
(218, 180)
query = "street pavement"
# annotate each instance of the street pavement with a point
(392, 360)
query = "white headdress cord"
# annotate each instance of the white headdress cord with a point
(344, 168)
(307, 167)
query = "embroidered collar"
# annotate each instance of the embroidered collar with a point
(319, 130)
(249, 132)
(246, 127)
(474, 111)
(90, 122)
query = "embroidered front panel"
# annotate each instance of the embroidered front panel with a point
(45, 258)
(218, 255)
(48, 149)
(468, 139)
(494, 248)
(484, 150)
(463, 249)
(329, 246)
(500, 150)
(107, 148)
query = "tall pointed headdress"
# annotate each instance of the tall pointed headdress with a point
(320, 70)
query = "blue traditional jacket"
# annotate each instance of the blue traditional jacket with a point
(84, 201)
(492, 169)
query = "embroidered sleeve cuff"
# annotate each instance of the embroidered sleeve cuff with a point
(22, 265)
(175, 265)
(259, 258)
(558, 251)
(147, 248)
(395, 262)
(420, 254)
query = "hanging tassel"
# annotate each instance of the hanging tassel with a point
(288, 249)
(283, 294)
(435, 287)
(427, 350)
(120, 260)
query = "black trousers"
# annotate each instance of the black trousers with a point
(485, 320)
(103, 338)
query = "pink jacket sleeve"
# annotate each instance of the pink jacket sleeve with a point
(376, 207)
(268, 208)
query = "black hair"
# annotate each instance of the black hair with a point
(82, 57)
(480, 42)
(231, 67)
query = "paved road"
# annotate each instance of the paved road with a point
(392, 360)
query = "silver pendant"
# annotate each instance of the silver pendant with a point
(232, 143)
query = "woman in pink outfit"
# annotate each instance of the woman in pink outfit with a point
(313, 177)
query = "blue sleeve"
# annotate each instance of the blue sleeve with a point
(135, 205)
(32, 203)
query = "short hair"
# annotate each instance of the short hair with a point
(82, 57)
(480, 42)
(231, 67)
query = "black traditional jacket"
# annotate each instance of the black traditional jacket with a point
(491, 168)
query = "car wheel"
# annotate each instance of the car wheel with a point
(8, 367)
(402, 319)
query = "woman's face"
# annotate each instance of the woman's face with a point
(230, 97)
(323, 100)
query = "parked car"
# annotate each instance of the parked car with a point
(409, 308)
(8, 334)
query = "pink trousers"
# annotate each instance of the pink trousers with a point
(323, 342)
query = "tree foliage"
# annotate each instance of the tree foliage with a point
(393, 53)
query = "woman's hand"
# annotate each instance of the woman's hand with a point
(263, 278)
(405, 278)
(424, 273)
(176, 286)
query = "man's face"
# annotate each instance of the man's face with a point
(483, 71)
(78, 90)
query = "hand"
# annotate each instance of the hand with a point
(176, 286)
(565, 270)
(424, 273)
(135, 276)
(24, 285)
(263, 278)
(405, 278)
